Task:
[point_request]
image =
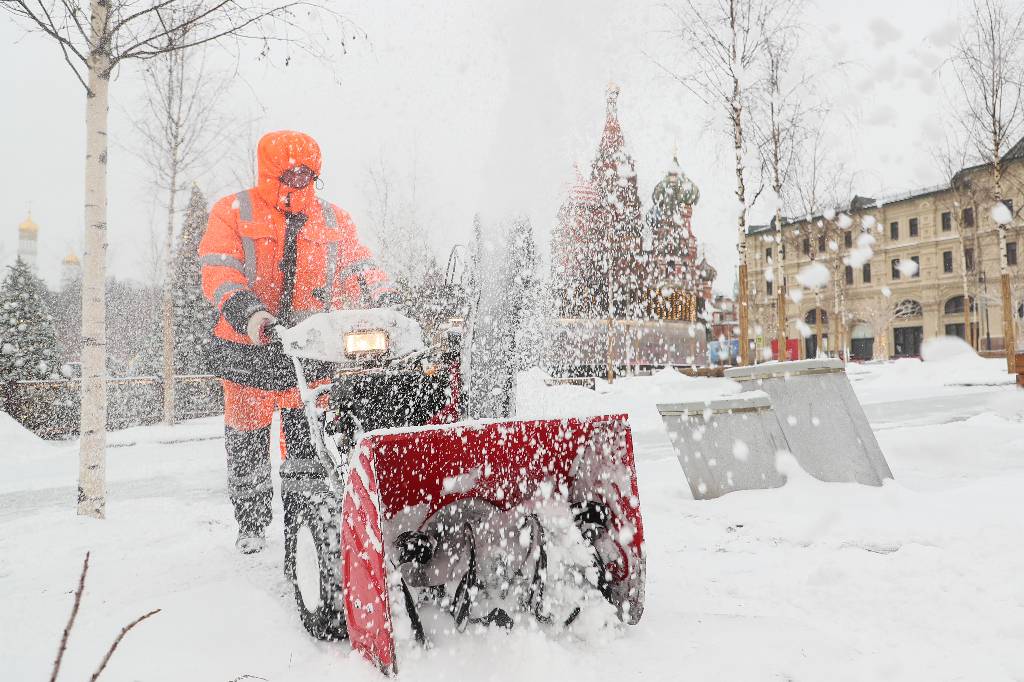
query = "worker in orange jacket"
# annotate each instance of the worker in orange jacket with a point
(276, 253)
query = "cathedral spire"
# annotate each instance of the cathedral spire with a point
(613, 101)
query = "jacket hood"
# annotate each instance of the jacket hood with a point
(278, 151)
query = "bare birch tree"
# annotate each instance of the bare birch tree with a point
(395, 218)
(180, 132)
(952, 158)
(725, 40)
(779, 134)
(989, 64)
(820, 185)
(95, 38)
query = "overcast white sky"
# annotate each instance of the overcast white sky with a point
(488, 104)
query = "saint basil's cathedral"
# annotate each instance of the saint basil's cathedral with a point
(644, 271)
(657, 269)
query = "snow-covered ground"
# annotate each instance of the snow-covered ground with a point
(920, 579)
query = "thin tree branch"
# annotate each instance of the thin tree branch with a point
(71, 619)
(120, 636)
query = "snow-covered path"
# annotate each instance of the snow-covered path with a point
(916, 580)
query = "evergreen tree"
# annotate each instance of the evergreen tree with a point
(524, 294)
(28, 341)
(193, 315)
(133, 318)
(67, 313)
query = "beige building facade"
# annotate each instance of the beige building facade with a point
(888, 292)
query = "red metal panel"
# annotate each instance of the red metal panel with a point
(502, 463)
(367, 608)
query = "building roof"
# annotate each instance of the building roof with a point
(71, 259)
(28, 225)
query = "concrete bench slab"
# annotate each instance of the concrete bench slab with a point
(726, 444)
(821, 418)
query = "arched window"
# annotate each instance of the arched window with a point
(908, 309)
(956, 305)
(812, 316)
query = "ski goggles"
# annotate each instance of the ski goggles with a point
(297, 177)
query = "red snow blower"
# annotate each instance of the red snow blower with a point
(421, 525)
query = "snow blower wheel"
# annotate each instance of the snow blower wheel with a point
(313, 557)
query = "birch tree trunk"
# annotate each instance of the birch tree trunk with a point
(964, 282)
(780, 277)
(168, 303)
(92, 448)
(1009, 332)
(736, 108)
(817, 324)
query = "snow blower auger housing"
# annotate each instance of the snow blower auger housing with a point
(421, 522)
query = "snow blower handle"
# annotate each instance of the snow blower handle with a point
(273, 331)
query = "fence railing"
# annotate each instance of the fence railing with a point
(50, 408)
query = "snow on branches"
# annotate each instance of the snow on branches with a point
(28, 341)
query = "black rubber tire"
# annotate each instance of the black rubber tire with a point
(321, 514)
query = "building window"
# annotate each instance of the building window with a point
(821, 244)
(968, 216)
(913, 227)
(768, 255)
(947, 221)
(807, 246)
(895, 268)
(848, 239)
(917, 262)
(947, 261)
(894, 231)
(866, 272)
(1011, 253)
(908, 310)
(955, 330)
(769, 288)
(955, 306)
(812, 316)
(1009, 205)
(849, 274)
(969, 259)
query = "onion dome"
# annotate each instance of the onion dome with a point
(28, 225)
(675, 190)
(71, 259)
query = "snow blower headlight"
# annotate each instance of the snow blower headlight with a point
(366, 343)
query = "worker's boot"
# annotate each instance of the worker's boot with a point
(250, 541)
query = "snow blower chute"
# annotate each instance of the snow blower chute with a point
(418, 523)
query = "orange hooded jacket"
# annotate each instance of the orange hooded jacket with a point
(243, 251)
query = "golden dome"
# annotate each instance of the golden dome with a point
(71, 259)
(28, 225)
